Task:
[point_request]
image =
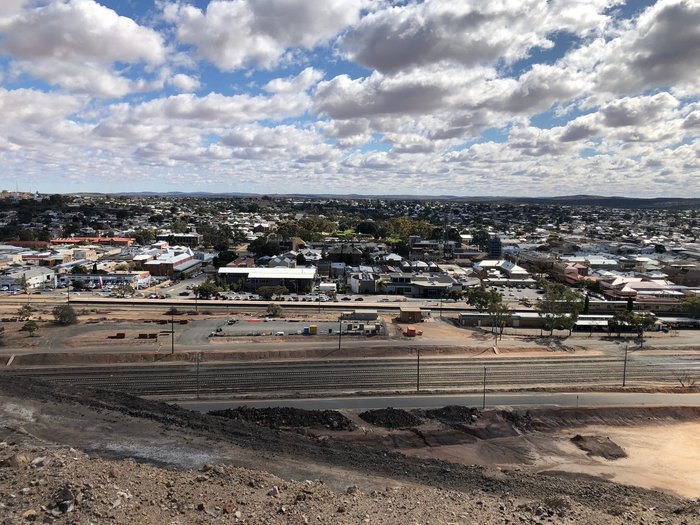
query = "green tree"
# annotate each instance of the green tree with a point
(499, 313)
(266, 292)
(30, 326)
(65, 315)
(481, 238)
(642, 322)
(124, 290)
(144, 236)
(25, 312)
(559, 307)
(206, 290)
(261, 248)
(691, 306)
(274, 310)
(179, 226)
(479, 297)
(79, 269)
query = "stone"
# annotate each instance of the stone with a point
(29, 515)
(274, 491)
(64, 500)
(39, 462)
(18, 461)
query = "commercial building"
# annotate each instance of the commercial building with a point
(294, 279)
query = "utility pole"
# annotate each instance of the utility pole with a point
(198, 358)
(172, 333)
(483, 400)
(340, 330)
(624, 368)
(418, 371)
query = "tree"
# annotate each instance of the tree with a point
(301, 260)
(206, 290)
(25, 312)
(179, 226)
(24, 284)
(479, 297)
(638, 322)
(481, 238)
(559, 307)
(691, 306)
(499, 313)
(144, 236)
(30, 326)
(79, 269)
(274, 310)
(642, 322)
(124, 290)
(266, 292)
(261, 248)
(65, 315)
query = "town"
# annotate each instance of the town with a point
(529, 265)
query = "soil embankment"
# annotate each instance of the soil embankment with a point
(118, 426)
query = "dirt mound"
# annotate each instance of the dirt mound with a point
(451, 415)
(288, 417)
(390, 418)
(603, 447)
(33, 407)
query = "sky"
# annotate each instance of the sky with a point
(372, 97)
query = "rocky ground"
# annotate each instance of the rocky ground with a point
(42, 480)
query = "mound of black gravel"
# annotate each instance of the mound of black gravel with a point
(287, 417)
(390, 418)
(452, 414)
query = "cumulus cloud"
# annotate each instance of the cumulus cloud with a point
(241, 33)
(661, 50)
(443, 96)
(185, 83)
(400, 37)
(76, 44)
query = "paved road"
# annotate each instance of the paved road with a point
(493, 399)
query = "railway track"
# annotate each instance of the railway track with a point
(379, 375)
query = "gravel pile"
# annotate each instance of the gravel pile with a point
(600, 446)
(390, 418)
(68, 486)
(452, 414)
(288, 417)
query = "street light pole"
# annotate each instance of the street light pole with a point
(624, 368)
(172, 333)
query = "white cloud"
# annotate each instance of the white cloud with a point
(76, 44)
(185, 83)
(402, 37)
(303, 81)
(661, 49)
(242, 33)
(11, 7)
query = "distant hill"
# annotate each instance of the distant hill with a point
(570, 200)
